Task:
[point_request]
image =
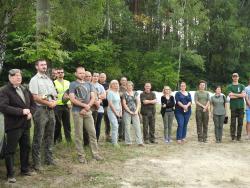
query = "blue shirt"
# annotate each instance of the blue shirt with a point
(114, 97)
(179, 97)
(247, 90)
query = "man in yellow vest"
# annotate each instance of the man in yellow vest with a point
(62, 109)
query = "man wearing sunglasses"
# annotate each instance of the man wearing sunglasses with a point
(62, 110)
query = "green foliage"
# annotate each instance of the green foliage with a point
(144, 41)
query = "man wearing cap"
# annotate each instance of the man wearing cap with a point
(44, 93)
(236, 93)
(17, 105)
(62, 110)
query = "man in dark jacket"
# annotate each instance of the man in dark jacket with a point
(17, 105)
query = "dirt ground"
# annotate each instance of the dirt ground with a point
(188, 165)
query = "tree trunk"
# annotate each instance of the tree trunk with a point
(42, 18)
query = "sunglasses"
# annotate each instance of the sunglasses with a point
(60, 72)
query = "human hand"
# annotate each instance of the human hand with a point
(97, 104)
(29, 116)
(26, 111)
(52, 104)
(83, 112)
(87, 107)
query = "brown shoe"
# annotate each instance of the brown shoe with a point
(141, 145)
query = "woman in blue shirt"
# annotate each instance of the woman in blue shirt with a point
(182, 112)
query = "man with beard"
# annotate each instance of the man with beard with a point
(44, 93)
(82, 114)
(62, 109)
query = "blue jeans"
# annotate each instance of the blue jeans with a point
(114, 126)
(182, 121)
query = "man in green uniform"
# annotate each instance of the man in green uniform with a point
(236, 93)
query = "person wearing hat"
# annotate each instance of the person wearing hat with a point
(236, 93)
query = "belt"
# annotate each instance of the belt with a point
(45, 107)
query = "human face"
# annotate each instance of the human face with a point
(218, 90)
(124, 81)
(183, 87)
(80, 73)
(235, 78)
(88, 76)
(16, 79)
(129, 87)
(202, 86)
(167, 91)
(60, 73)
(102, 78)
(147, 87)
(95, 77)
(41, 67)
(115, 86)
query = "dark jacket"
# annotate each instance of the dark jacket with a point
(11, 105)
(170, 103)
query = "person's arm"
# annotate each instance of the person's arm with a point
(189, 103)
(112, 107)
(102, 95)
(172, 103)
(237, 95)
(138, 105)
(77, 102)
(197, 102)
(247, 100)
(93, 97)
(42, 101)
(208, 102)
(163, 105)
(154, 101)
(146, 101)
(177, 99)
(6, 108)
(32, 103)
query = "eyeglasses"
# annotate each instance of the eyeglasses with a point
(60, 72)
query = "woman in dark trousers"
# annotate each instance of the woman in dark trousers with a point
(218, 111)
(167, 112)
(182, 112)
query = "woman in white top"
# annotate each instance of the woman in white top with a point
(114, 109)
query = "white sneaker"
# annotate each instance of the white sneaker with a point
(166, 141)
(12, 180)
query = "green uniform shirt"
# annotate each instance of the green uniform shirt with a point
(202, 97)
(218, 103)
(239, 102)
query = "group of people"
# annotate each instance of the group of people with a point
(180, 107)
(51, 101)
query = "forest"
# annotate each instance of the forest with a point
(158, 41)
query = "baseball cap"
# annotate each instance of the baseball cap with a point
(235, 74)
